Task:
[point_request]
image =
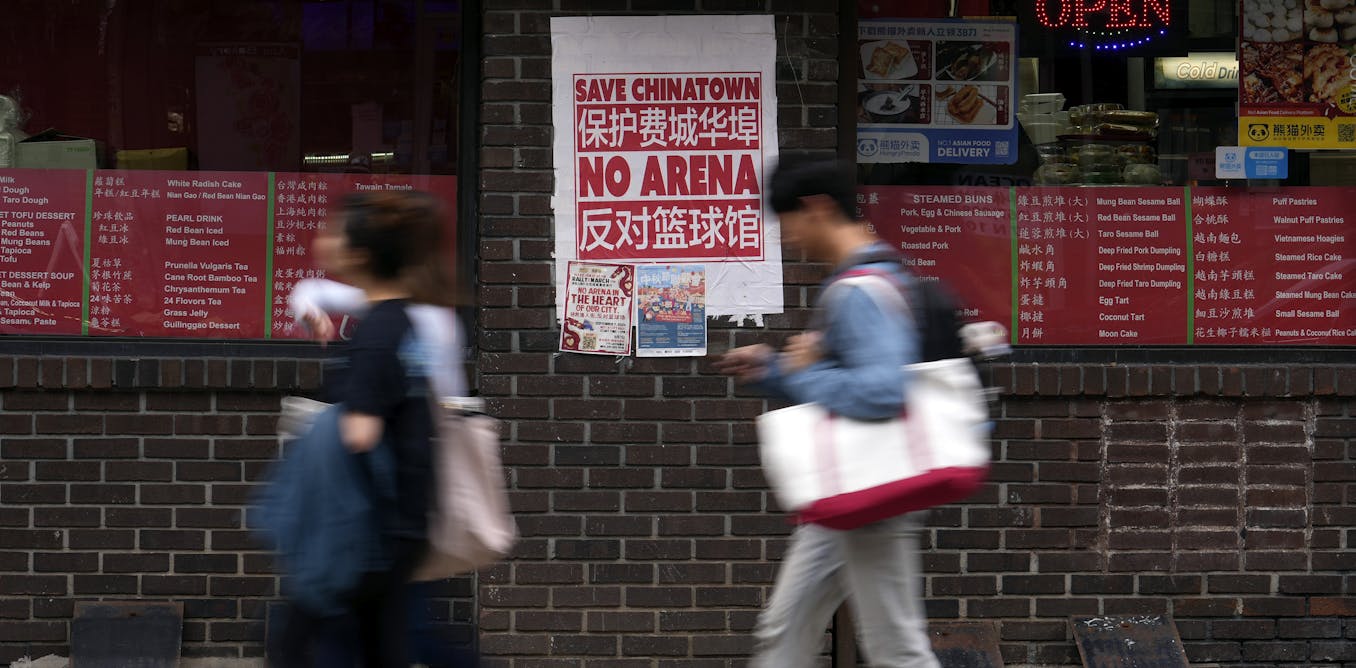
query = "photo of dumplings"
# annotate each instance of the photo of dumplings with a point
(1330, 21)
(964, 105)
(1328, 73)
(970, 104)
(1274, 20)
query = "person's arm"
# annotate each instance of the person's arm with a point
(863, 376)
(313, 300)
(439, 332)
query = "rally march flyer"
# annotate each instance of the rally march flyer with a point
(598, 309)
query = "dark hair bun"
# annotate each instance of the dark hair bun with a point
(398, 230)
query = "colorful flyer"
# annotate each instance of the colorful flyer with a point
(671, 310)
(1297, 87)
(598, 309)
(936, 91)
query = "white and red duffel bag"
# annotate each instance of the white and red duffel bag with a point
(844, 473)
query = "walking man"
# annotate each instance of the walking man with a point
(852, 363)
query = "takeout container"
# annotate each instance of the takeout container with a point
(1042, 133)
(1041, 103)
(1042, 128)
(1142, 174)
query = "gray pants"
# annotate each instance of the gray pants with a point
(879, 566)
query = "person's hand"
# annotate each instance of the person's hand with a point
(319, 325)
(360, 432)
(801, 351)
(746, 364)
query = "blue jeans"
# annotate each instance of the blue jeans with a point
(876, 568)
(375, 633)
(426, 647)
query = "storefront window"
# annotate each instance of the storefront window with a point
(165, 163)
(1130, 174)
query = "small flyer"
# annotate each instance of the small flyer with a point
(671, 310)
(598, 309)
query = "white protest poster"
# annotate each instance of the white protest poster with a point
(665, 128)
(598, 309)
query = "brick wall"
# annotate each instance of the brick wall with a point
(126, 479)
(646, 536)
(1220, 495)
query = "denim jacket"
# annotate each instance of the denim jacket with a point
(866, 346)
(319, 513)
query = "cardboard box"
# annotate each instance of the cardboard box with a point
(63, 154)
(154, 158)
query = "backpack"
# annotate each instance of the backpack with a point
(934, 311)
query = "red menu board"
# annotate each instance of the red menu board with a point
(42, 246)
(216, 254)
(1274, 266)
(1101, 266)
(174, 254)
(301, 203)
(178, 254)
(962, 237)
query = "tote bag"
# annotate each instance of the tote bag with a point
(844, 473)
(470, 525)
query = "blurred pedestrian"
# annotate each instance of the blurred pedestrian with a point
(852, 363)
(377, 243)
(312, 302)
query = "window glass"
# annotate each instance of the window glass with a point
(1170, 172)
(165, 164)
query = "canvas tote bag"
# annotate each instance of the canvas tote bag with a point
(844, 473)
(470, 526)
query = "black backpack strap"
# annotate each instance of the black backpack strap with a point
(934, 309)
(938, 326)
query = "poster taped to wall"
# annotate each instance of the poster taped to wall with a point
(936, 91)
(598, 309)
(661, 152)
(670, 310)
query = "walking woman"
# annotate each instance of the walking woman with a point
(313, 301)
(381, 246)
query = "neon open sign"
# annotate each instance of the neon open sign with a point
(1106, 25)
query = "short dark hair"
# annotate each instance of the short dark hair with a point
(393, 227)
(802, 176)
